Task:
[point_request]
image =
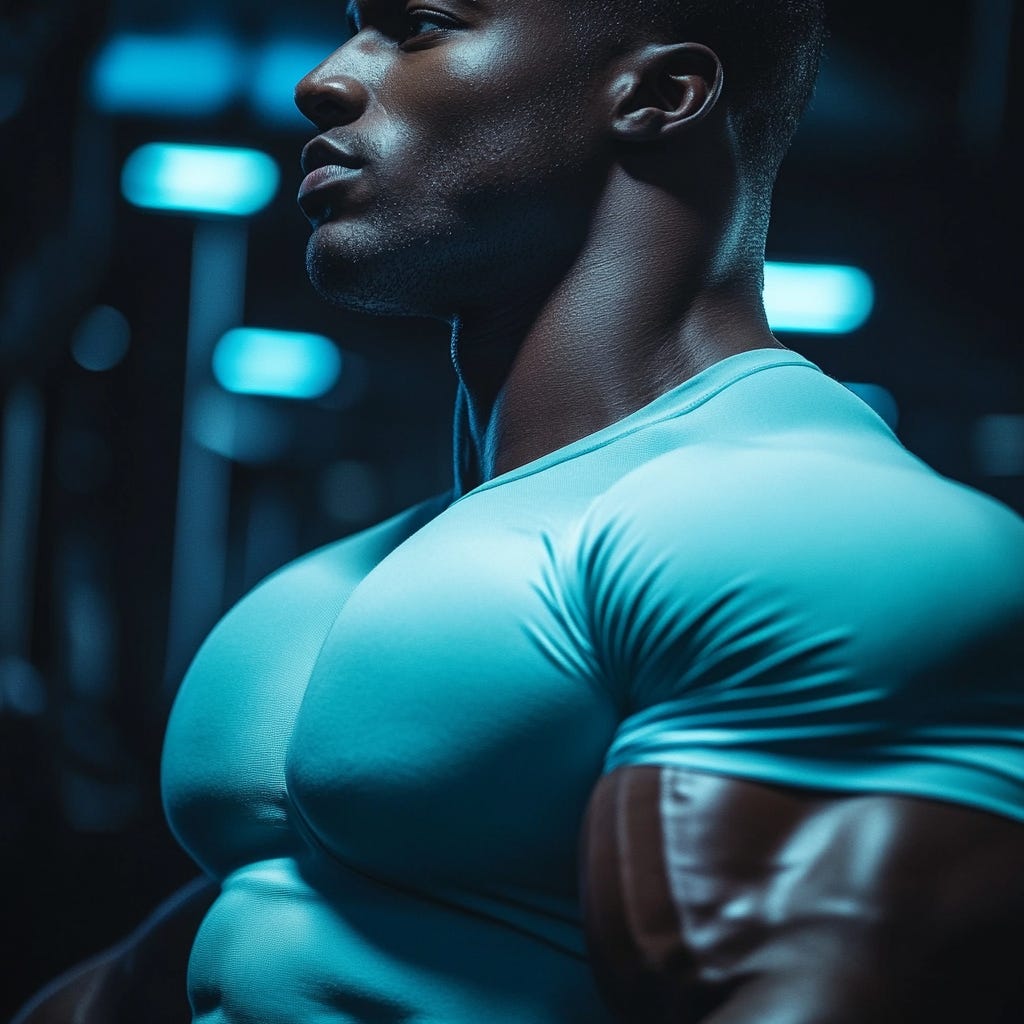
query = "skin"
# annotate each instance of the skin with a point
(720, 901)
(573, 206)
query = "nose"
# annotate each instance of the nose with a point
(329, 98)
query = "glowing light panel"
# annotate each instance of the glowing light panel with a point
(187, 75)
(198, 74)
(278, 68)
(818, 298)
(199, 179)
(281, 364)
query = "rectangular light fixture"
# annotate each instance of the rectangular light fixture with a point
(198, 74)
(172, 75)
(212, 180)
(279, 364)
(817, 298)
(277, 69)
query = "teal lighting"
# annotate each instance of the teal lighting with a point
(101, 339)
(199, 179)
(280, 364)
(278, 67)
(817, 298)
(173, 75)
(200, 74)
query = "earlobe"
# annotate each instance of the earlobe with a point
(665, 89)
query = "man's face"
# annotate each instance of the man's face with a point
(474, 127)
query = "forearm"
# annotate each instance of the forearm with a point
(141, 978)
(81, 995)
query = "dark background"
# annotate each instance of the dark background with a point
(908, 166)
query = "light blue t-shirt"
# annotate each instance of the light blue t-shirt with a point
(385, 750)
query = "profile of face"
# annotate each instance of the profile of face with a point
(459, 153)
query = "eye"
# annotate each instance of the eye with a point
(419, 22)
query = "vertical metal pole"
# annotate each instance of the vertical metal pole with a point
(21, 466)
(217, 298)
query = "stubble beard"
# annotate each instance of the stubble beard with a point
(389, 264)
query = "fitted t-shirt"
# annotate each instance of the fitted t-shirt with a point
(384, 752)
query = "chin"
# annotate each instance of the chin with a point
(374, 278)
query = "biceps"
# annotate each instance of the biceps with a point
(701, 891)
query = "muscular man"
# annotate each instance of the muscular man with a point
(698, 699)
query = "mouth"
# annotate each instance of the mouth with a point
(322, 191)
(330, 168)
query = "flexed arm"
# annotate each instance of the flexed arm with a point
(712, 900)
(812, 808)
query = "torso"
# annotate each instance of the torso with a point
(385, 751)
(389, 776)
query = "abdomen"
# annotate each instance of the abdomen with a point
(293, 942)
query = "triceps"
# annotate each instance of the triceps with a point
(714, 899)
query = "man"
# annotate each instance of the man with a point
(691, 620)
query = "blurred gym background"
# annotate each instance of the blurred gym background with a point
(180, 415)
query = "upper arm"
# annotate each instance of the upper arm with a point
(814, 805)
(798, 619)
(715, 899)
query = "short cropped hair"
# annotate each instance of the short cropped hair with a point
(770, 51)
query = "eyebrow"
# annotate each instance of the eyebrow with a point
(353, 17)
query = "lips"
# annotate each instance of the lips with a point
(329, 167)
(325, 177)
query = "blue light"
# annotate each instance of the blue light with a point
(187, 75)
(817, 298)
(278, 68)
(282, 364)
(101, 339)
(197, 74)
(199, 179)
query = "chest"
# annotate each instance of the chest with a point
(451, 727)
(435, 721)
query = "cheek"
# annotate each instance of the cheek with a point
(492, 111)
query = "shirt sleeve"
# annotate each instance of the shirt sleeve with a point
(809, 620)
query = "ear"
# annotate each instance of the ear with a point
(664, 89)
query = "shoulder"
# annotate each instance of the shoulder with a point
(799, 511)
(702, 566)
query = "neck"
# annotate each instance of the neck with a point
(655, 296)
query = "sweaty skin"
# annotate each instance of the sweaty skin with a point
(716, 900)
(503, 179)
